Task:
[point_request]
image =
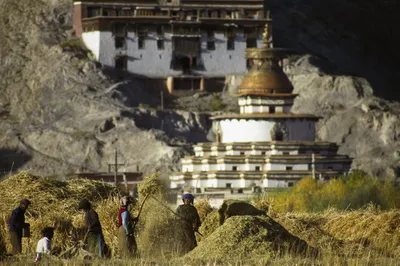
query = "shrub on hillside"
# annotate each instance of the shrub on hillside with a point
(217, 104)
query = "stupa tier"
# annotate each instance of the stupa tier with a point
(265, 145)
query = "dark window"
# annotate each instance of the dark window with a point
(210, 45)
(263, 153)
(160, 30)
(234, 168)
(231, 44)
(240, 190)
(210, 40)
(93, 12)
(272, 109)
(121, 62)
(289, 168)
(278, 136)
(109, 12)
(242, 153)
(160, 44)
(141, 42)
(330, 168)
(285, 153)
(249, 64)
(228, 185)
(257, 168)
(290, 184)
(120, 42)
(251, 43)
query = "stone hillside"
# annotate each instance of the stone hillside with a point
(59, 111)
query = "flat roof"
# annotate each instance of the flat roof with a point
(265, 115)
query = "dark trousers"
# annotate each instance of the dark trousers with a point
(95, 243)
(16, 242)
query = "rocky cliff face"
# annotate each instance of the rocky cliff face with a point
(59, 112)
(358, 37)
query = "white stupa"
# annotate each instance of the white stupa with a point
(265, 146)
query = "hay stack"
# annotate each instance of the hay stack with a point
(159, 233)
(228, 209)
(237, 208)
(203, 208)
(53, 201)
(3, 247)
(208, 226)
(151, 185)
(246, 237)
(355, 232)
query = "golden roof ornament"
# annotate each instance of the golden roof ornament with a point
(266, 78)
(267, 36)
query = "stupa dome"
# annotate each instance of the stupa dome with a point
(266, 76)
(268, 79)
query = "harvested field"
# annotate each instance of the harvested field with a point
(355, 232)
(247, 236)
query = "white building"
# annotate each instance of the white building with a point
(170, 39)
(265, 146)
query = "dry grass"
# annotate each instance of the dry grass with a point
(363, 237)
(348, 233)
(203, 208)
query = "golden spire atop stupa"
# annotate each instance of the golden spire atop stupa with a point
(267, 36)
(266, 77)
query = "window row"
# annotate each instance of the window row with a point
(120, 43)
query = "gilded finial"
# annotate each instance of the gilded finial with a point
(267, 35)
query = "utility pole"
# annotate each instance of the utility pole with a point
(313, 165)
(115, 165)
(162, 100)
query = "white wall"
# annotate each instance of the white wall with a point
(107, 49)
(157, 63)
(150, 61)
(282, 167)
(243, 130)
(92, 42)
(222, 61)
(271, 183)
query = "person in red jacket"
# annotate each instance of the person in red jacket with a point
(126, 237)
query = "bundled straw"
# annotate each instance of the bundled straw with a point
(203, 208)
(54, 202)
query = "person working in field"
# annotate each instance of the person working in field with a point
(126, 237)
(44, 244)
(190, 220)
(17, 224)
(94, 233)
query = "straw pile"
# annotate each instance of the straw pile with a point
(228, 209)
(53, 201)
(159, 233)
(209, 225)
(151, 185)
(3, 247)
(236, 208)
(364, 229)
(246, 237)
(203, 208)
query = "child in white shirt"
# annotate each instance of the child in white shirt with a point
(44, 244)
